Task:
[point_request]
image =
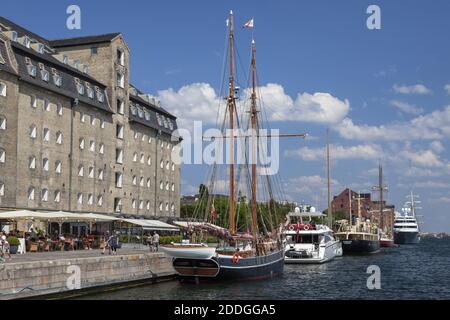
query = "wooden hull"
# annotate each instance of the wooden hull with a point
(222, 267)
(387, 243)
(360, 246)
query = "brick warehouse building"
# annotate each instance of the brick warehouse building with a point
(75, 135)
(370, 209)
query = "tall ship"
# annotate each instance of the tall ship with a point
(308, 242)
(360, 237)
(406, 227)
(246, 222)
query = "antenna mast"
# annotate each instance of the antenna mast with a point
(231, 108)
(254, 119)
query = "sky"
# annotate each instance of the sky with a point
(384, 94)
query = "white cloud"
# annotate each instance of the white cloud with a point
(338, 152)
(431, 126)
(437, 146)
(447, 88)
(419, 172)
(426, 185)
(413, 89)
(308, 185)
(425, 158)
(317, 108)
(406, 107)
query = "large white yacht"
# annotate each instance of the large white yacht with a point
(309, 242)
(406, 228)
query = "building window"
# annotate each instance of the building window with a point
(90, 199)
(92, 146)
(57, 79)
(59, 109)
(2, 89)
(33, 101)
(65, 59)
(167, 206)
(80, 88)
(149, 140)
(160, 206)
(58, 167)
(118, 180)
(167, 186)
(173, 166)
(94, 50)
(57, 197)
(100, 174)
(82, 141)
(45, 75)
(135, 156)
(100, 200)
(149, 182)
(80, 170)
(141, 204)
(32, 70)
(119, 131)
(142, 158)
(117, 205)
(134, 180)
(32, 163)
(2, 60)
(33, 131)
(120, 106)
(45, 164)
(172, 207)
(161, 185)
(85, 68)
(91, 172)
(101, 148)
(148, 205)
(90, 92)
(31, 193)
(149, 160)
(120, 57)
(161, 164)
(141, 181)
(80, 198)
(147, 115)
(102, 124)
(136, 135)
(173, 187)
(92, 120)
(162, 144)
(59, 137)
(119, 156)
(82, 117)
(2, 156)
(100, 96)
(44, 195)
(167, 165)
(46, 136)
(2, 123)
(46, 105)
(133, 203)
(143, 137)
(2, 189)
(120, 80)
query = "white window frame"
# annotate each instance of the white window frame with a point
(2, 156)
(100, 200)
(2, 123)
(57, 196)
(120, 80)
(2, 189)
(31, 193)
(59, 109)
(44, 195)
(2, 89)
(46, 134)
(101, 148)
(134, 180)
(33, 131)
(120, 106)
(45, 164)
(118, 179)
(92, 146)
(82, 143)
(149, 182)
(80, 170)
(59, 137)
(119, 156)
(100, 174)
(91, 172)
(120, 131)
(80, 198)
(90, 201)
(32, 163)
(58, 167)
(135, 155)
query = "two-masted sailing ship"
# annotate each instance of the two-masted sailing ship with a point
(250, 242)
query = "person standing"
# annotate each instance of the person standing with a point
(150, 241)
(113, 243)
(5, 248)
(156, 241)
(106, 243)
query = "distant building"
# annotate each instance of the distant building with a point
(75, 135)
(370, 209)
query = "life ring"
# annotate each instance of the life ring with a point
(306, 227)
(236, 257)
(291, 227)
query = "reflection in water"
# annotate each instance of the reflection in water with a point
(408, 272)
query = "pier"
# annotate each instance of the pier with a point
(73, 273)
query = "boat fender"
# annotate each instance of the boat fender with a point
(306, 227)
(291, 227)
(236, 257)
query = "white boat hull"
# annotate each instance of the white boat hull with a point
(324, 254)
(189, 251)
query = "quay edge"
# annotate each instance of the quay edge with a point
(53, 279)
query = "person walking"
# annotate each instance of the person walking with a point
(5, 248)
(150, 241)
(113, 243)
(156, 241)
(106, 243)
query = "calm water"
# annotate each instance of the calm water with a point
(408, 272)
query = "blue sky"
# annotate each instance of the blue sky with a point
(388, 84)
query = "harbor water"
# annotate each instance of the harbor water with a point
(408, 272)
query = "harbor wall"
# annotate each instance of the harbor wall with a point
(61, 277)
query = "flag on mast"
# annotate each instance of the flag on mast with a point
(249, 24)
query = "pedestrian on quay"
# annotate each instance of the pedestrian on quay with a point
(156, 241)
(150, 241)
(113, 243)
(106, 242)
(4, 248)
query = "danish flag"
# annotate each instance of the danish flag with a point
(249, 24)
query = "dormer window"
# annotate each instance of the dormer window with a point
(85, 68)
(40, 48)
(120, 57)
(120, 80)
(100, 96)
(26, 41)
(133, 110)
(2, 60)
(80, 87)
(65, 59)
(45, 75)
(140, 112)
(57, 79)
(90, 91)
(14, 36)
(94, 50)
(76, 63)
(147, 115)
(32, 70)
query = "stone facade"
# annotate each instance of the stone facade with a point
(93, 142)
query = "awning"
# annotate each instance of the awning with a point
(152, 224)
(60, 216)
(307, 214)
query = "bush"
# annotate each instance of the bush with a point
(13, 241)
(169, 239)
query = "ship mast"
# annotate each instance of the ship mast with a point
(330, 213)
(231, 107)
(254, 114)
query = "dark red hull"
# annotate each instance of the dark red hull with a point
(387, 243)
